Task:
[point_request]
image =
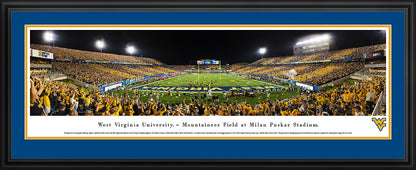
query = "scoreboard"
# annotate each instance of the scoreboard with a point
(208, 62)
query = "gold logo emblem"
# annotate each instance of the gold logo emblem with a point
(380, 123)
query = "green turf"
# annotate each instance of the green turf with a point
(226, 80)
(219, 80)
(145, 96)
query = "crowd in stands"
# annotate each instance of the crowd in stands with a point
(34, 60)
(349, 53)
(331, 72)
(40, 71)
(313, 74)
(89, 73)
(374, 71)
(209, 67)
(103, 74)
(54, 98)
(72, 54)
(236, 66)
(181, 68)
(261, 61)
(46, 73)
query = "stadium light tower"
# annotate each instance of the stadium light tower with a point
(130, 50)
(49, 37)
(324, 37)
(314, 43)
(262, 51)
(100, 44)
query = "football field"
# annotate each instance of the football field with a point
(226, 80)
(219, 80)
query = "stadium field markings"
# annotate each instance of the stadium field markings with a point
(246, 81)
(245, 84)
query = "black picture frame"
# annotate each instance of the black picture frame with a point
(408, 6)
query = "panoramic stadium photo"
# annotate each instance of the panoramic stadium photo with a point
(208, 73)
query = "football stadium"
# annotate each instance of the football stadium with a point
(312, 78)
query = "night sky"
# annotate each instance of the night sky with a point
(184, 47)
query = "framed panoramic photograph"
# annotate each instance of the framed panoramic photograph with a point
(208, 84)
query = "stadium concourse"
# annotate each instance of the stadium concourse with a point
(352, 97)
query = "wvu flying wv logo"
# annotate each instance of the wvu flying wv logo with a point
(380, 123)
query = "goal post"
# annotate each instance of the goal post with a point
(209, 62)
(220, 70)
(198, 73)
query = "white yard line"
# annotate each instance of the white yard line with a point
(213, 86)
